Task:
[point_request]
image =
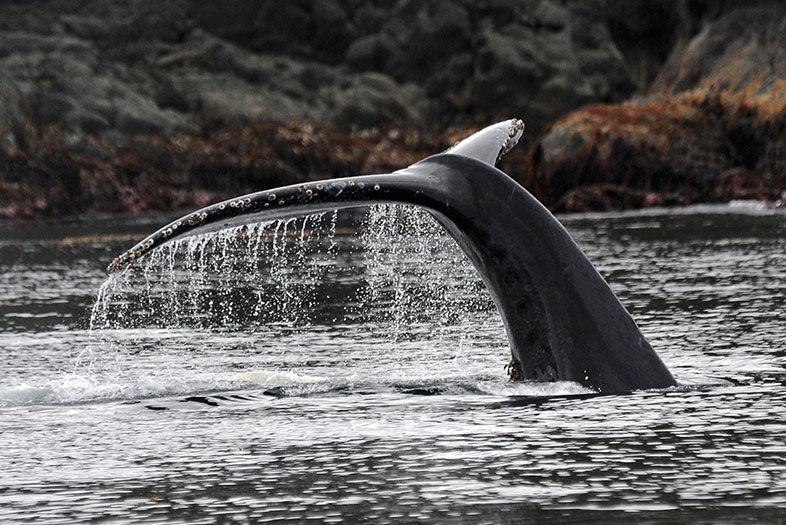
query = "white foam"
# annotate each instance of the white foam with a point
(734, 207)
(75, 388)
(276, 378)
(533, 389)
(68, 389)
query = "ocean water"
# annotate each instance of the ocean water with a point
(352, 366)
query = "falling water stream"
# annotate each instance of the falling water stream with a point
(350, 366)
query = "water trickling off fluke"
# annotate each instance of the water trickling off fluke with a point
(277, 276)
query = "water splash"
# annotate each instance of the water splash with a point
(297, 292)
(409, 276)
(252, 276)
(418, 278)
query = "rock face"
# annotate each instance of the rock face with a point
(711, 128)
(91, 89)
(130, 66)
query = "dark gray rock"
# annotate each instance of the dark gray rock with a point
(131, 66)
(439, 30)
(14, 115)
(369, 53)
(331, 31)
(373, 100)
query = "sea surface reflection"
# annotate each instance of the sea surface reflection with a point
(352, 367)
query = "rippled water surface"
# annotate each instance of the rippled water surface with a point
(346, 368)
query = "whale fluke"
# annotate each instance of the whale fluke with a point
(562, 320)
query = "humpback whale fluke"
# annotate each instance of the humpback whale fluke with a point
(562, 320)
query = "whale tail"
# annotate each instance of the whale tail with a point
(562, 320)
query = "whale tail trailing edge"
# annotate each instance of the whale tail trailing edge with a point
(487, 146)
(562, 320)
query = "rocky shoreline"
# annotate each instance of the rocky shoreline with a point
(711, 129)
(146, 173)
(123, 106)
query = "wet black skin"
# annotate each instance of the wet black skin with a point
(562, 320)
